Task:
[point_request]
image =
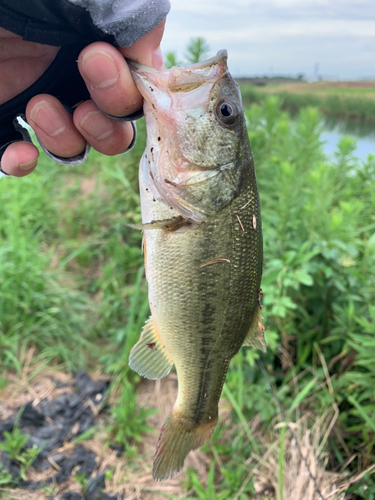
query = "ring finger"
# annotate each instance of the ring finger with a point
(109, 137)
(54, 126)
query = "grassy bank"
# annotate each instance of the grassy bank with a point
(342, 102)
(72, 287)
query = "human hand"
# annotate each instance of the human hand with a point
(108, 80)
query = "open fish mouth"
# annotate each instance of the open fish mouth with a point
(179, 78)
(213, 61)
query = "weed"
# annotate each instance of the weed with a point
(83, 481)
(14, 443)
(128, 420)
(15, 447)
(34, 306)
(124, 333)
(5, 477)
(207, 492)
(319, 280)
(15, 440)
(196, 50)
(365, 489)
(26, 459)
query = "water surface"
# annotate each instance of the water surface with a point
(363, 133)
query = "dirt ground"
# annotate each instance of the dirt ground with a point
(131, 478)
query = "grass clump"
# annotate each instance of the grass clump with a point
(68, 260)
(128, 424)
(35, 304)
(15, 447)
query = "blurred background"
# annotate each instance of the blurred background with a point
(297, 422)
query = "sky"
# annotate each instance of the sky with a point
(332, 38)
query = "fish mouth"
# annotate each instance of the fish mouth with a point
(153, 83)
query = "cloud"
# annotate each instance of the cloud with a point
(290, 35)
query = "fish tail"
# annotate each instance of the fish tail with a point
(175, 442)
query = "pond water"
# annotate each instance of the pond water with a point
(363, 133)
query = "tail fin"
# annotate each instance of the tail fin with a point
(175, 442)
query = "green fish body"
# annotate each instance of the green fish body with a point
(202, 243)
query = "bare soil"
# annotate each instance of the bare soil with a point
(131, 478)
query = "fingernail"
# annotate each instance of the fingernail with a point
(100, 69)
(97, 125)
(28, 165)
(157, 59)
(48, 118)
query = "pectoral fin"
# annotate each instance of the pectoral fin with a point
(167, 224)
(148, 357)
(209, 191)
(255, 335)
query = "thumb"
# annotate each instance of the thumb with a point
(147, 50)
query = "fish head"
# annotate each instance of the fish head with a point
(195, 134)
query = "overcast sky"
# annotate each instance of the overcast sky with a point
(280, 36)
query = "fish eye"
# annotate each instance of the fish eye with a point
(226, 111)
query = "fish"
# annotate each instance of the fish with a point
(202, 240)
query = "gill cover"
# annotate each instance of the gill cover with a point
(195, 127)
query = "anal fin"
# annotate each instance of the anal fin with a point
(148, 357)
(255, 335)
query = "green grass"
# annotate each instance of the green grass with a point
(348, 91)
(60, 249)
(36, 303)
(72, 286)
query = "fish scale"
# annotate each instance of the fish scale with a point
(203, 271)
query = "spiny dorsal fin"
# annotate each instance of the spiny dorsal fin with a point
(255, 335)
(148, 357)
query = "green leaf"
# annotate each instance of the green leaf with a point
(304, 277)
(302, 395)
(369, 420)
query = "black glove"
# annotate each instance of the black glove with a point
(71, 24)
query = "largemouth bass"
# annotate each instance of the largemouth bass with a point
(202, 244)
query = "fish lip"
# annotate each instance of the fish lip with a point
(142, 76)
(222, 54)
(136, 67)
